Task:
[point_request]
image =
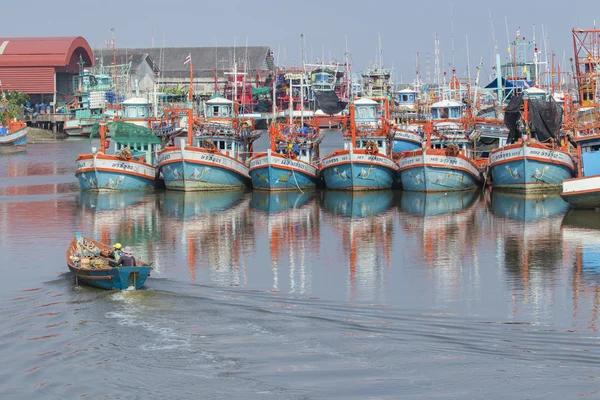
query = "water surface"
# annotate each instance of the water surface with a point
(316, 295)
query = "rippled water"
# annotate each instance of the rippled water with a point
(320, 295)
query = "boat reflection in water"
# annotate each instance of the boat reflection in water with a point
(129, 218)
(443, 227)
(277, 202)
(581, 236)
(213, 229)
(365, 222)
(529, 246)
(429, 204)
(291, 222)
(527, 207)
(358, 205)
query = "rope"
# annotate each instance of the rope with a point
(295, 180)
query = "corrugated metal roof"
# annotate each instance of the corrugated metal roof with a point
(169, 60)
(43, 52)
(30, 80)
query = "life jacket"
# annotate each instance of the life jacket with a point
(116, 255)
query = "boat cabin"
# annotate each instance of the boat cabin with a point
(139, 151)
(366, 112)
(137, 111)
(407, 99)
(304, 148)
(447, 109)
(219, 107)
(535, 94)
(322, 79)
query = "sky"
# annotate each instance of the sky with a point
(403, 28)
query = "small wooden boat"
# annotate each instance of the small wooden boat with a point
(13, 137)
(89, 261)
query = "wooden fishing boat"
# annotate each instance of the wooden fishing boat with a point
(583, 192)
(130, 168)
(365, 163)
(535, 161)
(214, 157)
(13, 137)
(291, 161)
(89, 261)
(447, 162)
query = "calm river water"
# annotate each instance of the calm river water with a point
(296, 296)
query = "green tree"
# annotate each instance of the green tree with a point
(14, 101)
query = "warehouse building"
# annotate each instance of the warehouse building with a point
(43, 67)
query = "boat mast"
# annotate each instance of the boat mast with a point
(302, 85)
(191, 81)
(112, 30)
(274, 108)
(7, 115)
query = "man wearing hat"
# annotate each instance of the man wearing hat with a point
(127, 259)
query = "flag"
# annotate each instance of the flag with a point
(518, 32)
(188, 59)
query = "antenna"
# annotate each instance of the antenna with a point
(437, 79)
(428, 68)
(452, 25)
(468, 60)
(507, 38)
(493, 32)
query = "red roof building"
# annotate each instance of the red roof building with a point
(42, 66)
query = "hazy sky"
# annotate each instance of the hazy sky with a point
(405, 27)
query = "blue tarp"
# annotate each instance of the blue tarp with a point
(506, 84)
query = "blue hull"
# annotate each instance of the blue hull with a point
(101, 181)
(270, 177)
(529, 175)
(120, 278)
(113, 182)
(14, 145)
(432, 179)
(400, 145)
(356, 176)
(191, 176)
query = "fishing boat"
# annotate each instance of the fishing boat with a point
(214, 156)
(291, 161)
(365, 163)
(95, 100)
(13, 134)
(130, 167)
(408, 135)
(13, 137)
(535, 160)
(583, 191)
(447, 161)
(89, 261)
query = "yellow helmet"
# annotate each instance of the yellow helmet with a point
(117, 246)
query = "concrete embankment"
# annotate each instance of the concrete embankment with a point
(37, 135)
